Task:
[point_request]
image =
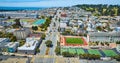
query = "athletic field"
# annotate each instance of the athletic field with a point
(78, 51)
(109, 52)
(74, 41)
(94, 51)
(73, 50)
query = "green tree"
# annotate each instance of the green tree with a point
(117, 57)
(17, 22)
(22, 42)
(34, 28)
(43, 36)
(9, 17)
(37, 50)
(48, 43)
(57, 50)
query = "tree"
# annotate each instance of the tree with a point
(37, 50)
(48, 43)
(57, 50)
(9, 17)
(43, 36)
(17, 22)
(43, 17)
(89, 56)
(34, 28)
(22, 42)
(13, 39)
(117, 57)
(67, 54)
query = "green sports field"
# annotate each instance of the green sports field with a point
(72, 50)
(64, 49)
(94, 51)
(109, 52)
(74, 41)
(80, 51)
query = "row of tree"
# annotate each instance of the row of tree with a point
(67, 54)
(116, 57)
(105, 10)
(58, 49)
(46, 24)
(89, 56)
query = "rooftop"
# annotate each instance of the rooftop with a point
(3, 39)
(12, 44)
(29, 45)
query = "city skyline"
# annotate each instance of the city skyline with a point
(54, 3)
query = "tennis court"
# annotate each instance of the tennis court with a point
(64, 50)
(94, 51)
(80, 51)
(72, 50)
(109, 52)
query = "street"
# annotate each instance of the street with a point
(51, 34)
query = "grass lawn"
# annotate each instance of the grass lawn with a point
(72, 50)
(10, 20)
(74, 41)
(109, 52)
(80, 51)
(93, 51)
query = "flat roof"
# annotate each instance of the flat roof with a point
(29, 45)
(63, 25)
(12, 44)
(2, 39)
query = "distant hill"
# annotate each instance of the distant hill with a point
(101, 10)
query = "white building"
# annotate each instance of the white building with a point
(29, 47)
(118, 48)
(104, 36)
(63, 26)
(19, 14)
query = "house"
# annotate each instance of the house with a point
(63, 26)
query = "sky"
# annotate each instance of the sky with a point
(53, 3)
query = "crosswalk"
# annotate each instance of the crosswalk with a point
(46, 56)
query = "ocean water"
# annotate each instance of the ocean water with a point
(20, 8)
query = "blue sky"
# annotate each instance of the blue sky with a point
(53, 3)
